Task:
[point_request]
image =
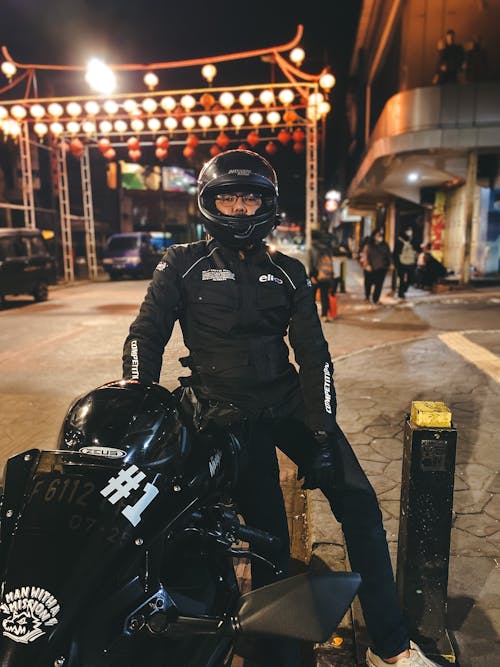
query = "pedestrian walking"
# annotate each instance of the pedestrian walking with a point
(236, 300)
(405, 259)
(376, 261)
(321, 271)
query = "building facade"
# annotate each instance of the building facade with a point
(424, 118)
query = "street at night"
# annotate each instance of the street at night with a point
(211, 146)
(384, 358)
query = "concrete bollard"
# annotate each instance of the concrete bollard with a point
(425, 525)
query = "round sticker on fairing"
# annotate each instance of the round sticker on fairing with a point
(107, 452)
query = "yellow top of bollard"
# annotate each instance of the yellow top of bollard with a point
(433, 414)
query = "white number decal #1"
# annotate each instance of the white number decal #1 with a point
(27, 611)
(123, 484)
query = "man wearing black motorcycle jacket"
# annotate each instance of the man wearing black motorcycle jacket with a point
(236, 301)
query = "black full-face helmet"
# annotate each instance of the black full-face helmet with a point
(238, 171)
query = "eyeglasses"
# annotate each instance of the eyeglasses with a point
(249, 199)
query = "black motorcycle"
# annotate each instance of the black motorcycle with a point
(118, 548)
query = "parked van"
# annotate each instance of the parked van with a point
(130, 254)
(26, 266)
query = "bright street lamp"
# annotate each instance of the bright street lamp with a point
(100, 77)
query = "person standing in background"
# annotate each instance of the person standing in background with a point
(451, 60)
(321, 271)
(405, 257)
(376, 261)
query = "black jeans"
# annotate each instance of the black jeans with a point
(353, 503)
(406, 276)
(374, 278)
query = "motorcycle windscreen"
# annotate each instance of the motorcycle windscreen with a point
(77, 518)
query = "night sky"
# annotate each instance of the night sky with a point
(142, 31)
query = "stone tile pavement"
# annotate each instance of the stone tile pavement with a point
(375, 389)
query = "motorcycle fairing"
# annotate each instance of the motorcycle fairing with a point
(66, 529)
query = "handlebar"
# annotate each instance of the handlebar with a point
(257, 537)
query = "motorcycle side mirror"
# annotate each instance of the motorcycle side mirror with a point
(307, 607)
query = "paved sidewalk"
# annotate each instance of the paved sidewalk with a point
(375, 389)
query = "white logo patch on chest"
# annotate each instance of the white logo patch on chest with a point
(269, 278)
(217, 274)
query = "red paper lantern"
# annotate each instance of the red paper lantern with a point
(133, 144)
(223, 140)
(284, 137)
(271, 148)
(192, 140)
(299, 147)
(214, 150)
(188, 152)
(207, 101)
(161, 153)
(178, 113)
(298, 135)
(162, 142)
(135, 154)
(104, 145)
(290, 117)
(110, 154)
(76, 148)
(253, 138)
(243, 147)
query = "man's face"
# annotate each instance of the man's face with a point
(238, 203)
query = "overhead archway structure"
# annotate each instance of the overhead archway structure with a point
(258, 113)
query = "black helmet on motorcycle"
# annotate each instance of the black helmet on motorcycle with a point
(136, 422)
(236, 171)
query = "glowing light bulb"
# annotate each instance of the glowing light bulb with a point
(209, 72)
(188, 102)
(149, 105)
(151, 80)
(226, 100)
(18, 112)
(327, 81)
(297, 56)
(37, 111)
(74, 109)
(55, 110)
(246, 99)
(92, 108)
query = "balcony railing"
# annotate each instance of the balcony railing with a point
(452, 106)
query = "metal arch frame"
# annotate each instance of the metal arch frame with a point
(303, 84)
(311, 185)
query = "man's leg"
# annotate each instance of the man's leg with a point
(324, 288)
(368, 275)
(401, 282)
(354, 504)
(260, 500)
(379, 277)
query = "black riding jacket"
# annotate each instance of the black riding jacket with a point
(235, 309)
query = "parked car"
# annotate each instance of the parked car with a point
(132, 254)
(26, 266)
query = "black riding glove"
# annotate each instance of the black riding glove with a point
(320, 472)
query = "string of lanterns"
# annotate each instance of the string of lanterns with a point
(76, 121)
(212, 113)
